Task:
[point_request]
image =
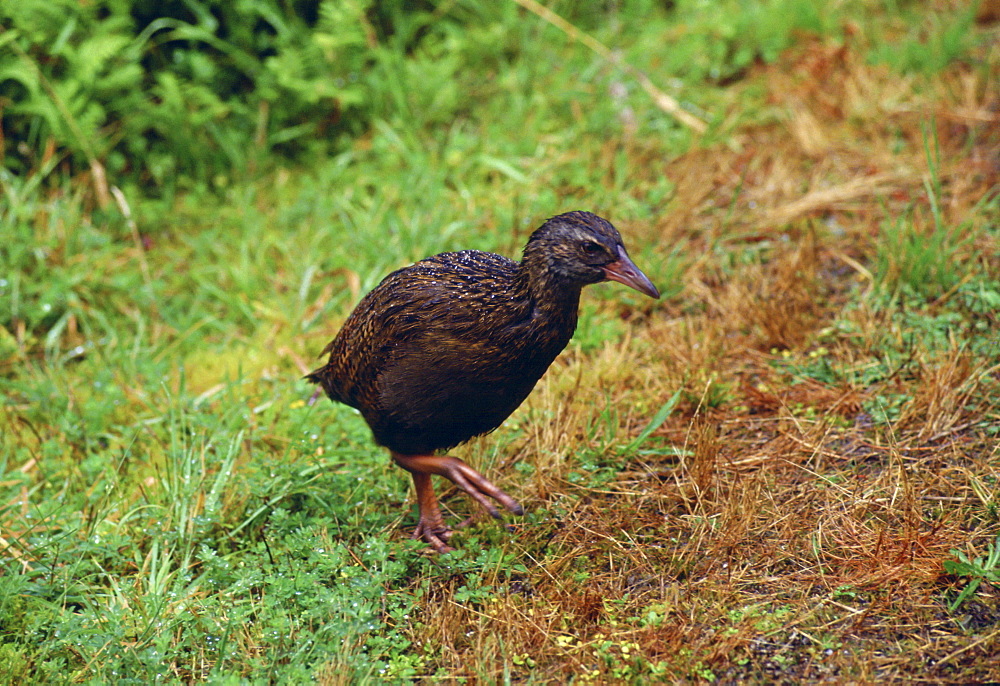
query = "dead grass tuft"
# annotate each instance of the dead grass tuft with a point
(943, 388)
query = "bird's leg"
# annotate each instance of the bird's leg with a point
(431, 527)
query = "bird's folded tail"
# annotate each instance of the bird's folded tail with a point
(322, 378)
(319, 376)
(316, 376)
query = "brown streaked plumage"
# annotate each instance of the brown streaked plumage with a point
(447, 348)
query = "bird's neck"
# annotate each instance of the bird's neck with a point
(553, 302)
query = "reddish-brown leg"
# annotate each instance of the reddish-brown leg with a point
(431, 527)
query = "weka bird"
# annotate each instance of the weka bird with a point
(447, 348)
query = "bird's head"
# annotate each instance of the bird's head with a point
(581, 248)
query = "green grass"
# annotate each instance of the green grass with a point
(707, 491)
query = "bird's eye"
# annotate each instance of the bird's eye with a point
(592, 248)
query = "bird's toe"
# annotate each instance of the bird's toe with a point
(435, 535)
(479, 487)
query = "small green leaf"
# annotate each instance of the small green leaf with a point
(655, 423)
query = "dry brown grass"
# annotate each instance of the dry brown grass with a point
(792, 538)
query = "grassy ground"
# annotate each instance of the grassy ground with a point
(787, 469)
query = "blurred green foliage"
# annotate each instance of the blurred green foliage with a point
(175, 90)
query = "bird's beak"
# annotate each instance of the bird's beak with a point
(623, 270)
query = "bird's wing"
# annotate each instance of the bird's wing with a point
(438, 303)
